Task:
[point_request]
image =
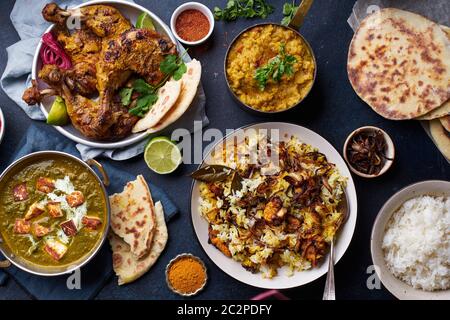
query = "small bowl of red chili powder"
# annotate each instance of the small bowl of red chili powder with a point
(192, 23)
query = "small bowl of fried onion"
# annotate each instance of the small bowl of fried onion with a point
(369, 152)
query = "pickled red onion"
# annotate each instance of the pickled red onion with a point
(52, 53)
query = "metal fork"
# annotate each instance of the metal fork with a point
(329, 292)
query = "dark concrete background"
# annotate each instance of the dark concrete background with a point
(333, 110)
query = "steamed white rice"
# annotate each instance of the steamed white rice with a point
(416, 243)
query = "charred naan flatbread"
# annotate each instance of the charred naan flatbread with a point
(445, 122)
(133, 216)
(125, 264)
(443, 110)
(441, 137)
(399, 63)
(440, 112)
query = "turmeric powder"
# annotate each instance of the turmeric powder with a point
(186, 275)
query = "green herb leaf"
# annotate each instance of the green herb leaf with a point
(289, 10)
(212, 173)
(169, 64)
(173, 66)
(285, 21)
(180, 71)
(125, 95)
(243, 9)
(143, 87)
(143, 105)
(275, 69)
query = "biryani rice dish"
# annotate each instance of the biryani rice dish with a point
(257, 47)
(416, 244)
(282, 214)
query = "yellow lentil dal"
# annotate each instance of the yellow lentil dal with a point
(254, 49)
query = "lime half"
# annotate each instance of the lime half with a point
(144, 22)
(58, 114)
(162, 155)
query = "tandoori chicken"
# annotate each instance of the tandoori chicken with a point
(105, 53)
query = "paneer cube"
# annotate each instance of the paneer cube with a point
(55, 249)
(20, 192)
(75, 199)
(39, 230)
(22, 226)
(45, 185)
(35, 210)
(91, 222)
(69, 228)
(54, 209)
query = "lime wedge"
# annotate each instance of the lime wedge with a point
(162, 155)
(144, 22)
(58, 114)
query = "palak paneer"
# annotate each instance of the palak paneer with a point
(52, 211)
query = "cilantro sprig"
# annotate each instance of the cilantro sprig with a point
(289, 10)
(276, 67)
(243, 9)
(147, 97)
(171, 66)
(174, 66)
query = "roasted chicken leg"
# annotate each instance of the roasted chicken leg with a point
(103, 120)
(104, 21)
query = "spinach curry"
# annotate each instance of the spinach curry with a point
(52, 211)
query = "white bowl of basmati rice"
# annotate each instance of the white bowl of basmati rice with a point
(410, 242)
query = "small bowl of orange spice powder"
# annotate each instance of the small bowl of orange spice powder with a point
(186, 275)
(192, 23)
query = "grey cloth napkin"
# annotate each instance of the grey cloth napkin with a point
(17, 77)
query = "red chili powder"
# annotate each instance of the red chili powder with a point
(192, 25)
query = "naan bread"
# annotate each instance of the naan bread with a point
(399, 63)
(441, 137)
(440, 112)
(125, 264)
(443, 110)
(167, 96)
(189, 85)
(133, 216)
(445, 122)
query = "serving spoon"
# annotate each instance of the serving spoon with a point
(329, 292)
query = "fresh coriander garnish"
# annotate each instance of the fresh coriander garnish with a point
(173, 65)
(277, 66)
(125, 95)
(148, 97)
(243, 9)
(143, 87)
(144, 104)
(289, 10)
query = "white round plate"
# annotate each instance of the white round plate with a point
(131, 11)
(2, 125)
(282, 280)
(397, 287)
